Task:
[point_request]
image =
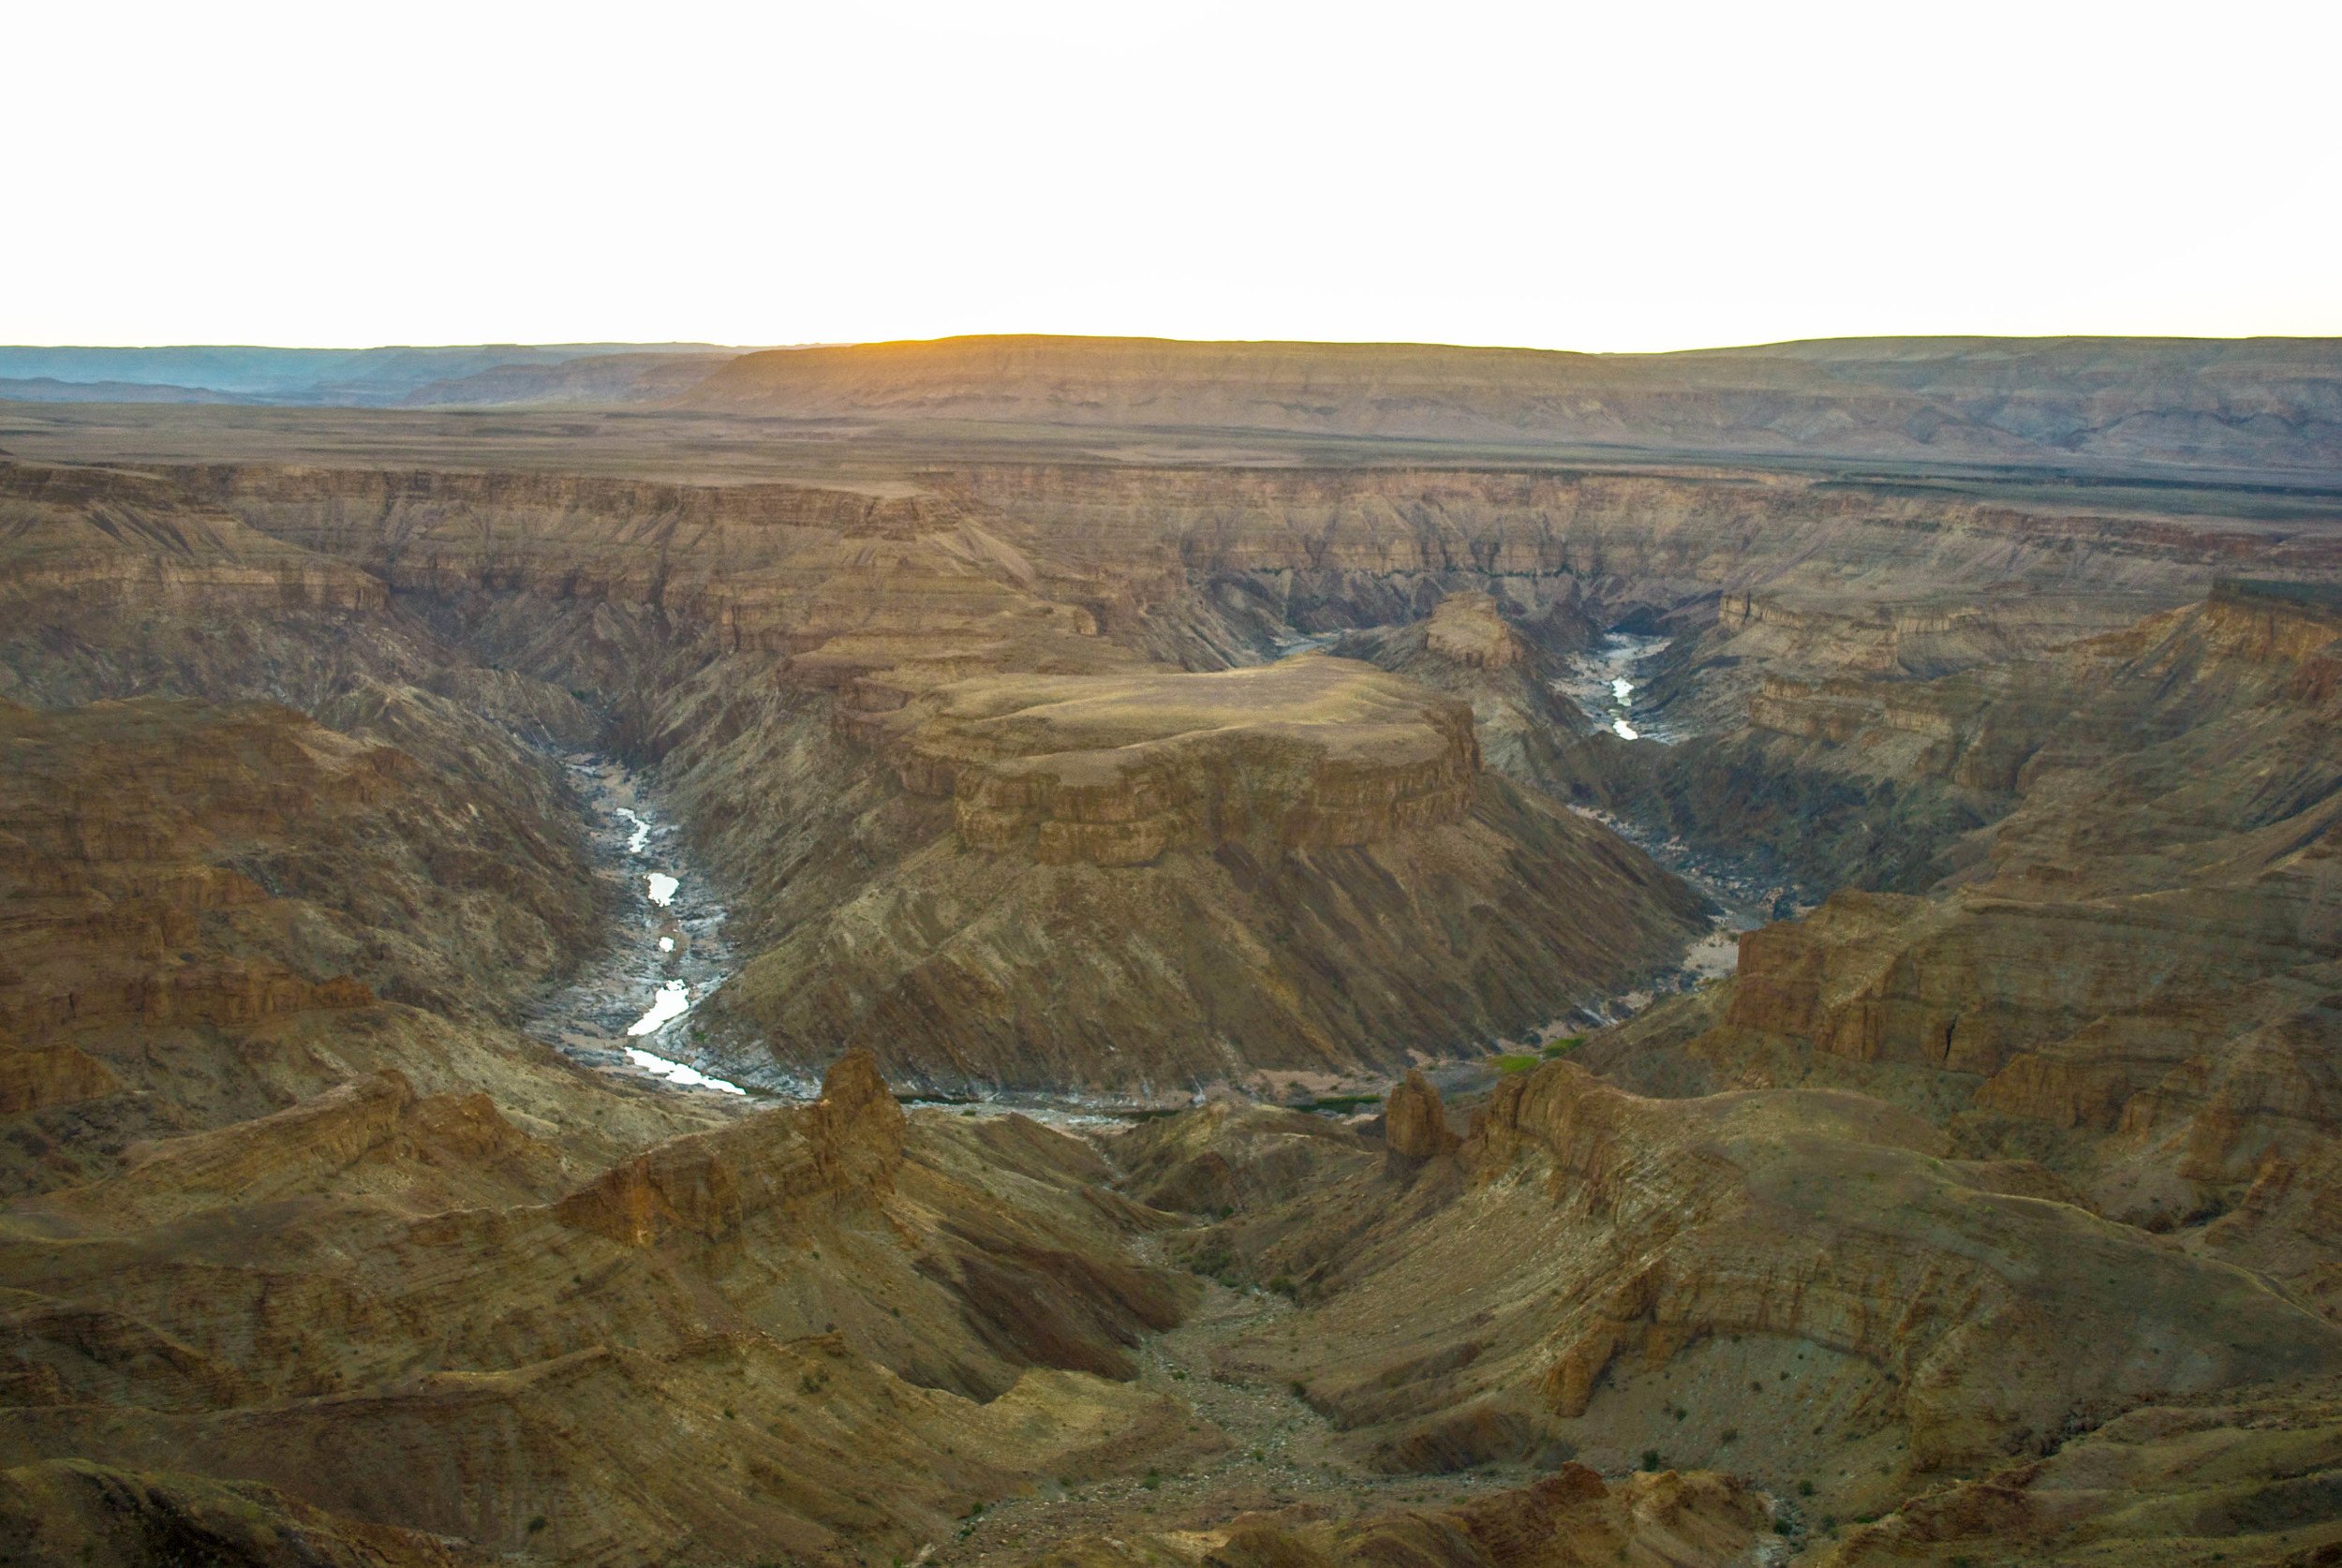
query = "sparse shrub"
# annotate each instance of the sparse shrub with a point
(1154, 1479)
(1806, 1488)
(1730, 1434)
(1300, 1389)
(537, 1522)
(1650, 1458)
(1283, 1285)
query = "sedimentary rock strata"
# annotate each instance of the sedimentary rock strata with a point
(1308, 753)
(2012, 1166)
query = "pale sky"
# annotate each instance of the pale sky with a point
(1615, 176)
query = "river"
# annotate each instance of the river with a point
(1603, 680)
(627, 1010)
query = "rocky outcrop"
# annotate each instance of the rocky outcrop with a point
(1468, 648)
(38, 1077)
(1415, 1123)
(1467, 630)
(847, 1146)
(856, 1127)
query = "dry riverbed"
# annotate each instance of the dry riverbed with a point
(1280, 1452)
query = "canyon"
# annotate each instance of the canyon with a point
(1281, 954)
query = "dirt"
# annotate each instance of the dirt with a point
(1280, 1452)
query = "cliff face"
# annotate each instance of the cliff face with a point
(147, 831)
(789, 568)
(2144, 853)
(772, 568)
(1468, 648)
(2132, 970)
(184, 870)
(1659, 540)
(82, 545)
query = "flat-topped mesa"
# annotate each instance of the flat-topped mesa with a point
(1467, 628)
(1311, 753)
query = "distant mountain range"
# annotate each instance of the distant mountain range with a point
(2267, 404)
(349, 377)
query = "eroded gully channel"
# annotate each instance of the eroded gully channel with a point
(627, 1011)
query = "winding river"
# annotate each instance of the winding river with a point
(1602, 681)
(626, 1012)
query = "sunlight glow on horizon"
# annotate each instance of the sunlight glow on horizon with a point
(1555, 177)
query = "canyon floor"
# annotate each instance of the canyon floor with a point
(784, 978)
